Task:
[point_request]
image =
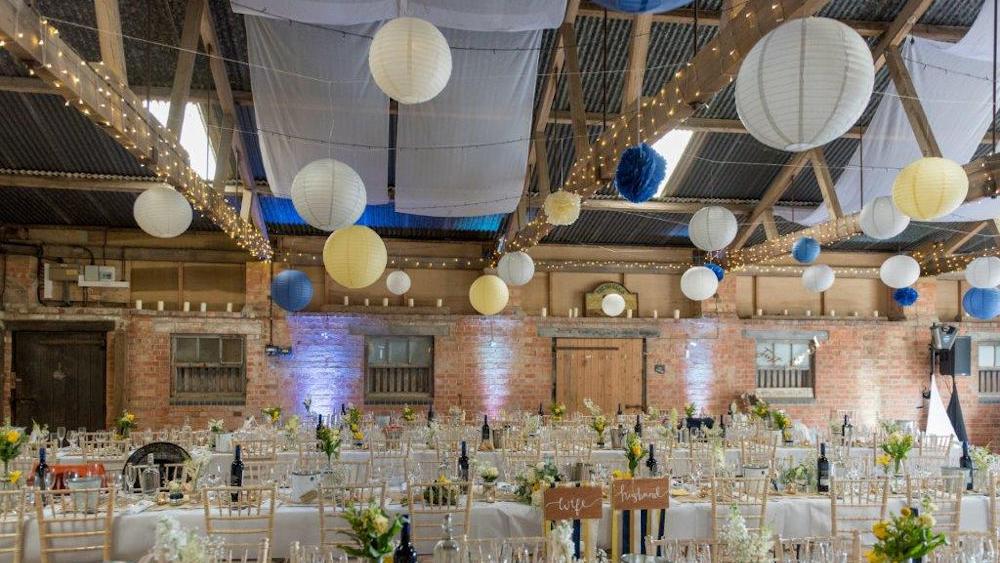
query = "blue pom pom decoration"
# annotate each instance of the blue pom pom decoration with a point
(639, 173)
(640, 6)
(291, 290)
(805, 250)
(983, 304)
(905, 296)
(719, 272)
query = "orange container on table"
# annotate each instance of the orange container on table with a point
(61, 469)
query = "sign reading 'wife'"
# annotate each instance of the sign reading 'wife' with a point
(640, 494)
(572, 503)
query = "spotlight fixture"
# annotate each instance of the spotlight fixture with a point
(272, 350)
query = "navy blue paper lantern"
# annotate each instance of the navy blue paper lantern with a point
(982, 303)
(291, 290)
(640, 6)
(905, 296)
(719, 272)
(639, 173)
(805, 250)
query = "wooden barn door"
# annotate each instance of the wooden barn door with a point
(60, 379)
(606, 370)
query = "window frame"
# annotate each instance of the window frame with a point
(399, 398)
(786, 394)
(991, 372)
(208, 398)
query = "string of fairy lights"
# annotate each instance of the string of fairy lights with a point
(109, 103)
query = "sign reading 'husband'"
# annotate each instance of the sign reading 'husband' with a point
(572, 503)
(640, 494)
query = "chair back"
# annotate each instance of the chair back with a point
(333, 501)
(490, 550)
(945, 491)
(240, 516)
(75, 525)
(827, 548)
(748, 494)
(257, 553)
(266, 472)
(635, 520)
(856, 504)
(12, 525)
(257, 449)
(429, 502)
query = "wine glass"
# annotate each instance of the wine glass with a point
(61, 434)
(49, 479)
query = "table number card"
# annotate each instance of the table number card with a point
(640, 494)
(572, 503)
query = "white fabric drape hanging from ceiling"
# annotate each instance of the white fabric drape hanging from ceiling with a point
(954, 84)
(470, 15)
(309, 81)
(487, 103)
(483, 116)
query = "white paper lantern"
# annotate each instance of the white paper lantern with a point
(410, 60)
(804, 84)
(899, 271)
(328, 194)
(983, 272)
(880, 219)
(162, 212)
(516, 268)
(818, 278)
(712, 228)
(398, 282)
(613, 304)
(699, 283)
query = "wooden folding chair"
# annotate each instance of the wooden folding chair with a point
(428, 505)
(266, 472)
(631, 529)
(240, 516)
(749, 495)
(490, 550)
(795, 550)
(334, 501)
(75, 525)
(12, 525)
(257, 449)
(945, 491)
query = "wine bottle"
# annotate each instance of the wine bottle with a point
(822, 471)
(463, 464)
(41, 470)
(343, 410)
(722, 425)
(430, 414)
(638, 425)
(236, 471)
(540, 411)
(651, 463)
(319, 426)
(965, 462)
(845, 430)
(620, 413)
(405, 552)
(486, 429)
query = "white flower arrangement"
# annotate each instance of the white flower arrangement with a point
(39, 432)
(743, 546)
(174, 543)
(592, 408)
(216, 426)
(489, 473)
(195, 466)
(560, 545)
(982, 457)
(532, 423)
(292, 427)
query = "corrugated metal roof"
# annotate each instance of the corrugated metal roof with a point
(618, 227)
(732, 166)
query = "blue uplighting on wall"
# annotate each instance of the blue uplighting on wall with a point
(280, 211)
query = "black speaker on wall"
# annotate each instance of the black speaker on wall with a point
(957, 360)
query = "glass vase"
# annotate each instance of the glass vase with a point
(490, 492)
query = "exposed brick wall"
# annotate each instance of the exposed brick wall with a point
(876, 368)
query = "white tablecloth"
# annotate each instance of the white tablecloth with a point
(789, 517)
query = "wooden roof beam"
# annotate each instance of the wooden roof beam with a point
(181, 89)
(109, 38)
(897, 31)
(114, 107)
(771, 196)
(638, 49)
(825, 180)
(911, 104)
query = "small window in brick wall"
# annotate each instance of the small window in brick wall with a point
(207, 370)
(399, 370)
(785, 370)
(988, 364)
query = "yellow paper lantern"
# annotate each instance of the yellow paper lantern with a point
(488, 294)
(354, 256)
(930, 188)
(562, 207)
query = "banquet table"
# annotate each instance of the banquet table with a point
(688, 517)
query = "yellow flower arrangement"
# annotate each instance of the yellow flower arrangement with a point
(273, 414)
(634, 452)
(618, 475)
(14, 477)
(883, 461)
(126, 423)
(905, 537)
(409, 415)
(558, 411)
(12, 436)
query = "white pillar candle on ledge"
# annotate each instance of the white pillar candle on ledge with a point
(385, 301)
(809, 312)
(569, 313)
(347, 301)
(576, 312)
(784, 312)
(440, 302)
(159, 305)
(545, 311)
(833, 312)
(677, 314)
(187, 306)
(875, 313)
(854, 314)
(366, 302)
(628, 314)
(656, 314)
(229, 307)
(760, 312)
(138, 304)
(204, 307)
(410, 302)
